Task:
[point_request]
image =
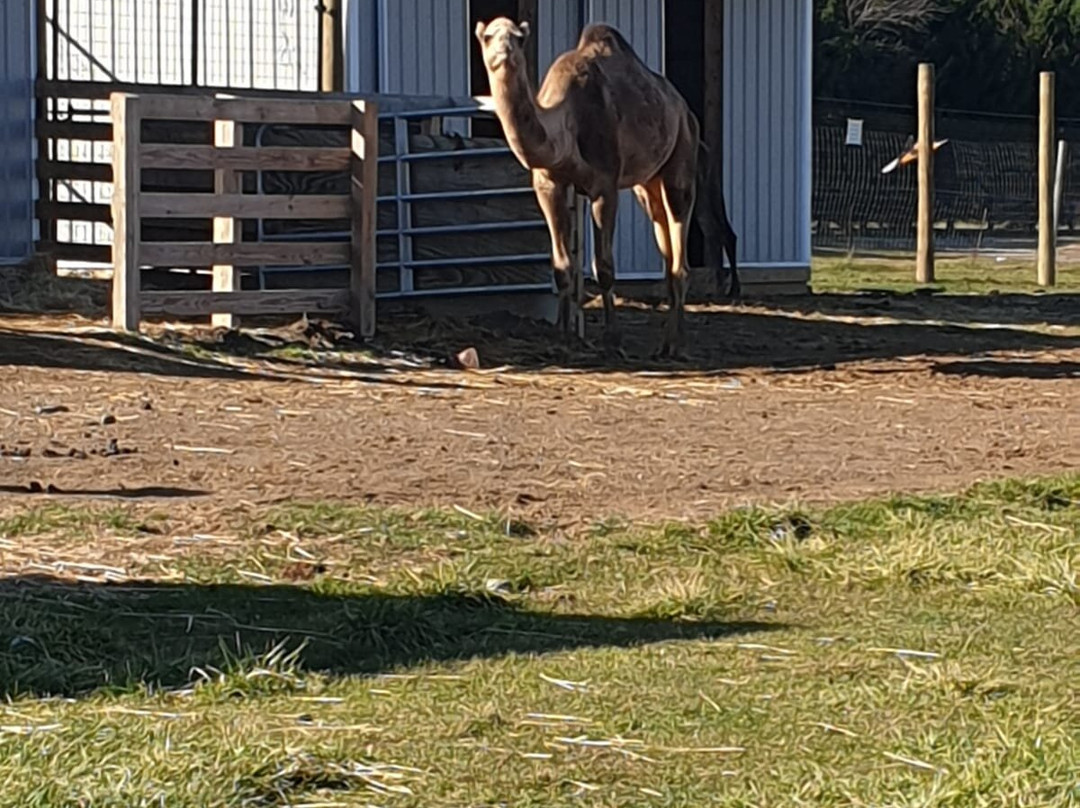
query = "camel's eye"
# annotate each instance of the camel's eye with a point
(488, 38)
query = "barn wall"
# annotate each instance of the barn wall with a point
(767, 130)
(361, 46)
(423, 47)
(16, 141)
(558, 24)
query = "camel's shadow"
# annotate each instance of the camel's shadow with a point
(70, 639)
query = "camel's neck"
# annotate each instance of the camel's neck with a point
(515, 105)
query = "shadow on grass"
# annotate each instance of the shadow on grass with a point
(1011, 308)
(68, 639)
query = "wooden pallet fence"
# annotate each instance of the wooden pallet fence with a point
(227, 204)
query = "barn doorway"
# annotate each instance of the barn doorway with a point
(485, 11)
(684, 65)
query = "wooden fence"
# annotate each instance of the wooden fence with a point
(74, 131)
(224, 249)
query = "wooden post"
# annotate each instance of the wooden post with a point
(332, 73)
(125, 211)
(712, 124)
(1059, 181)
(227, 135)
(924, 250)
(1047, 271)
(364, 193)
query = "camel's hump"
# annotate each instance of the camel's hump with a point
(600, 33)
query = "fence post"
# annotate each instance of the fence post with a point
(577, 261)
(1047, 271)
(331, 69)
(126, 310)
(364, 197)
(924, 250)
(226, 278)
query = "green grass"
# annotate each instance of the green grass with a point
(908, 652)
(953, 275)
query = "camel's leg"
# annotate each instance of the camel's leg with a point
(678, 193)
(604, 210)
(554, 203)
(651, 198)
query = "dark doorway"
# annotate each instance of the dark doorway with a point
(485, 11)
(684, 65)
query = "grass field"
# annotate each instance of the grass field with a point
(910, 652)
(955, 274)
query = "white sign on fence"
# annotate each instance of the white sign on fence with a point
(854, 132)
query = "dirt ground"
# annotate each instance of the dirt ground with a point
(812, 399)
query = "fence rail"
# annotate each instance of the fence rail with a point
(226, 204)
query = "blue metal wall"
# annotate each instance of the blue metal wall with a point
(767, 130)
(16, 131)
(423, 47)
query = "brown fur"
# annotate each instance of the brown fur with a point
(601, 122)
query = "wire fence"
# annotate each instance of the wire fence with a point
(985, 181)
(220, 44)
(265, 44)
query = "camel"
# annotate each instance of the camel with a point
(603, 121)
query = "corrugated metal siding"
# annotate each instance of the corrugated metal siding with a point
(558, 24)
(423, 47)
(767, 129)
(642, 23)
(16, 143)
(361, 46)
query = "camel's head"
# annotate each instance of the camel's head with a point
(502, 42)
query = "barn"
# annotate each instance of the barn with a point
(753, 65)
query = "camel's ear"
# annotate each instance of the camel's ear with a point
(481, 26)
(523, 26)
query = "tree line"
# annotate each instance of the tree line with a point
(987, 53)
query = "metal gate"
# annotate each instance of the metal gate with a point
(89, 48)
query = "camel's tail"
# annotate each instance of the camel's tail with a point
(713, 217)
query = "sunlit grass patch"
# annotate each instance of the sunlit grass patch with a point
(908, 651)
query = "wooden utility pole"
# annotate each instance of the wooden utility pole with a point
(712, 125)
(924, 250)
(332, 75)
(1047, 271)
